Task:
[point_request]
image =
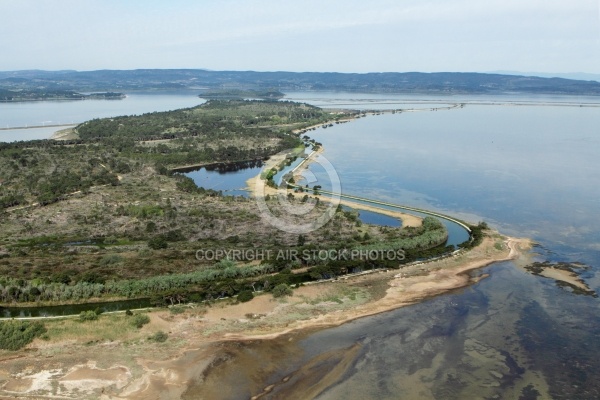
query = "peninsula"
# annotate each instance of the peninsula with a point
(102, 216)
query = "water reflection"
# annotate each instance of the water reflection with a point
(38, 113)
(532, 171)
(510, 336)
(230, 178)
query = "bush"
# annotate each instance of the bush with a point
(174, 236)
(282, 290)
(89, 315)
(245, 295)
(159, 337)
(177, 310)
(139, 320)
(92, 277)
(150, 227)
(158, 243)
(15, 335)
(110, 259)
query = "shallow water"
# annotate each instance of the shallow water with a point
(531, 171)
(527, 170)
(40, 113)
(510, 336)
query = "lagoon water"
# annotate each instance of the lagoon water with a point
(528, 170)
(39, 113)
(230, 179)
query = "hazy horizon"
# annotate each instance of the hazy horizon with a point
(568, 75)
(548, 37)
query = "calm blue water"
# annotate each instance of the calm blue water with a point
(231, 178)
(529, 171)
(370, 217)
(73, 112)
(228, 178)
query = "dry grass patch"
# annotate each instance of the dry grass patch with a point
(110, 327)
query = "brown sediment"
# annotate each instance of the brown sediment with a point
(565, 276)
(412, 284)
(200, 345)
(168, 379)
(315, 376)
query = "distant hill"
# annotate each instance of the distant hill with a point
(24, 93)
(581, 76)
(204, 80)
(242, 94)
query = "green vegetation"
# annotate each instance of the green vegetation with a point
(46, 172)
(282, 290)
(15, 334)
(57, 268)
(53, 94)
(477, 235)
(243, 94)
(139, 320)
(89, 315)
(159, 337)
(245, 295)
(114, 221)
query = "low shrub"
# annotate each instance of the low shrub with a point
(177, 310)
(282, 290)
(89, 315)
(15, 335)
(159, 337)
(139, 320)
(245, 295)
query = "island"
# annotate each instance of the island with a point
(20, 95)
(243, 94)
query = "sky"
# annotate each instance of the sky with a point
(553, 36)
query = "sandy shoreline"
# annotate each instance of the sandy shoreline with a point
(198, 340)
(412, 284)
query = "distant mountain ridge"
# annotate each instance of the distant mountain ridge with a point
(580, 76)
(384, 82)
